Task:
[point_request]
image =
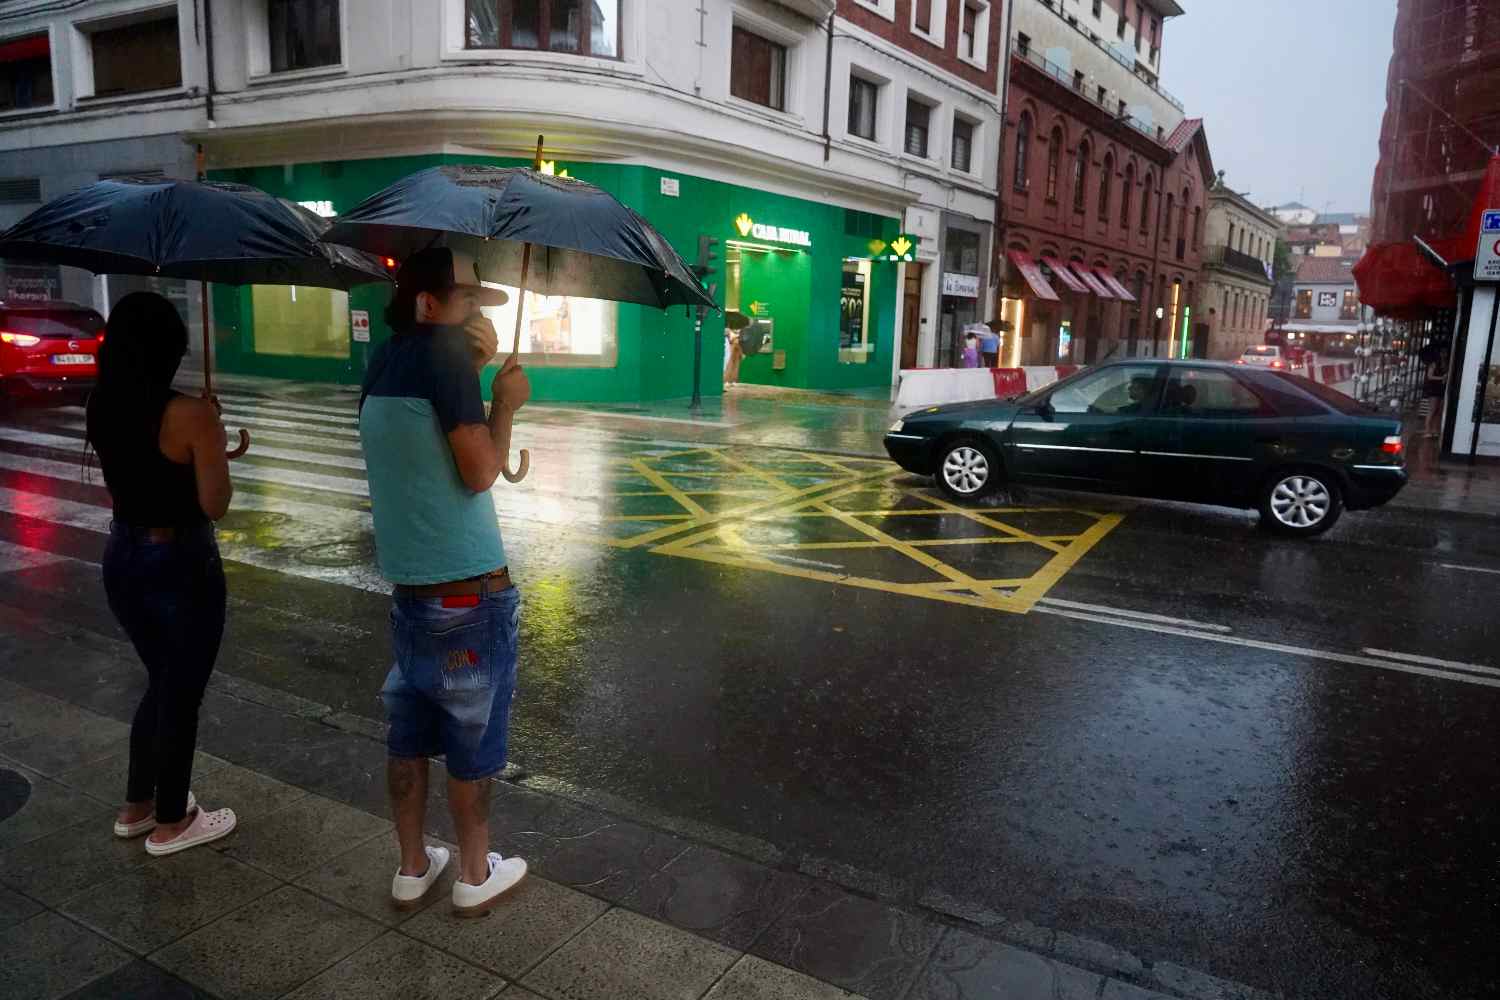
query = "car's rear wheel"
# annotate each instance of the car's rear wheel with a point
(1300, 502)
(969, 469)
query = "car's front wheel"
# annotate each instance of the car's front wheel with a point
(969, 469)
(1300, 502)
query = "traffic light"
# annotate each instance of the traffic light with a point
(708, 257)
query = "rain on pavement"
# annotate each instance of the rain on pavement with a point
(1148, 724)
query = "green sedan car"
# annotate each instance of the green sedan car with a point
(1205, 432)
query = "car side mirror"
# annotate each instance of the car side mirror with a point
(1045, 410)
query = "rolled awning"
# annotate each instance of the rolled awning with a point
(1091, 279)
(1035, 279)
(1115, 285)
(1065, 275)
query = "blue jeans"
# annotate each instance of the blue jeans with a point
(169, 597)
(451, 687)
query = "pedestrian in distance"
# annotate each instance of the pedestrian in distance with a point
(733, 355)
(431, 457)
(164, 462)
(970, 357)
(989, 346)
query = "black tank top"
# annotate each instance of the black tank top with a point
(149, 489)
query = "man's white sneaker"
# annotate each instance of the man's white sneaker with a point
(409, 891)
(477, 900)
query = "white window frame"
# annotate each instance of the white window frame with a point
(83, 52)
(938, 35)
(976, 133)
(936, 118)
(981, 32)
(885, 8)
(257, 23)
(882, 107)
(628, 62)
(792, 84)
(38, 109)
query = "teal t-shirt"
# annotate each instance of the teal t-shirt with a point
(429, 526)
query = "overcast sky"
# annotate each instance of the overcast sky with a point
(1291, 93)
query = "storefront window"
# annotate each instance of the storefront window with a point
(301, 321)
(559, 330)
(585, 27)
(854, 319)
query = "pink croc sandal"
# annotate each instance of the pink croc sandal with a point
(205, 828)
(129, 831)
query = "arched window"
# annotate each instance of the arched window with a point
(1081, 177)
(1146, 205)
(1126, 195)
(1197, 228)
(1230, 242)
(1182, 227)
(1166, 223)
(1054, 162)
(1106, 181)
(1023, 151)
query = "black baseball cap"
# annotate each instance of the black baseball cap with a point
(439, 269)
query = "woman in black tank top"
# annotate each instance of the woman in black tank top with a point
(164, 462)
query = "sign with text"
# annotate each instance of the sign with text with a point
(964, 286)
(1487, 256)
(670, 187)
(748, 227)
(359, 324)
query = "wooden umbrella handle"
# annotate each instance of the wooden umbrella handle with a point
(241, 448)
(519, 474)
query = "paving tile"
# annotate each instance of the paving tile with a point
(597, 853)
(1200, 984)
(105, 779)
(140, 980)
(395, 967)
(260, 951)
(623, 954)
(1087, 951)
(717, 895)
(1116, 990)
(756, 979)
(49, 807)
(864, 946)
(15, 907)
(71, 860)
(159, 903)
(25, 712)
(967, 966)
(298, 837)
(248, 793)
(535, 918)
(361, 879)
(72, 740)
(49, 956)
(519, 993)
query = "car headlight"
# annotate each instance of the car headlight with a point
(898, 426)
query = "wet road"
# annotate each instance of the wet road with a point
(1148, 724)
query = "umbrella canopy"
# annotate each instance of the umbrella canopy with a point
(229, 233)
(584, 241)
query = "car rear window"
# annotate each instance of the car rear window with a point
(1260, 352)
(1347, 405)
(53, 324)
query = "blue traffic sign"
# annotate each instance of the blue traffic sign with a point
(1492, 222)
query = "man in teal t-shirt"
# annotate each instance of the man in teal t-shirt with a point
(431, 457)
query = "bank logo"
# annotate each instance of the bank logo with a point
(744, 224)
(901, 245)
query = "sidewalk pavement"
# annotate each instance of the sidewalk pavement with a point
(294, 902)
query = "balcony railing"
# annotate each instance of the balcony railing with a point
(1235, 260)
(1062, 76)
(1056, 6)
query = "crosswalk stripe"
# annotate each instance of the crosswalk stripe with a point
(290, 407)
(310, 419)
(15, 557)
(275, 437)
(285, 454)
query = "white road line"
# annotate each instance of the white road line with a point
(309, 419)
(1137, 615)
(1433, 661)
(1273, 647)
(542, 408)
(18, 557)
(276, 437)
(293, 407)
(1469, 569)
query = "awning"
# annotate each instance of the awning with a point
(32, 47)
(1091, 279)
(1395, 279)
(1035, 279)
(1066, 276)
(1121, 292)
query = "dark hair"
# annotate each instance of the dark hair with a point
(144, 343)
(401, 313)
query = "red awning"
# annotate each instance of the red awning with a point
(33, 47)
(1115, 285)
(1091, 279)
(1064, 275)
(1396, 280)
(1035, 279)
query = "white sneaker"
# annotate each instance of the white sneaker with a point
(477, 900)
(408, 891)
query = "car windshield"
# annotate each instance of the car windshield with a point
(1260, 352)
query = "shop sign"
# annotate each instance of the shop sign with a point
(748, 227)
(670, 187)
(965, 286)
(1487, 257)
(359, 323)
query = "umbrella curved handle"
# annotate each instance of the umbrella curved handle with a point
(244, 446)
(519, 474)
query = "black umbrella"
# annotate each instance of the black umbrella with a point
(588, 244)
(229, 233)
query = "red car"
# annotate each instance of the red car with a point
(48, 350)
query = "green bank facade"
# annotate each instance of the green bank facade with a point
(810, 279)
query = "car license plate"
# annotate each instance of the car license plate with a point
(72, 359)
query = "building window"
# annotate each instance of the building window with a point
(1101, 94)
(1120, 24)
(1126, 195)
(1098, 8)
(1078, 80)
(304, 34)
(1138, 38)
(918, 117)
(1023, 152)
(863, 100)
(1197, 228)
(25, 73)
(1304, 303)
(137, 57)
(757, 70)
(1146, 205)
(584, 27)
(1166, 229)
(963, 144)
(973, 30)
(1230, 243)
(1080, 177)
(1023, 44)
(1106, 183)
(1054, 163)
(1350, 307)
(921, 16)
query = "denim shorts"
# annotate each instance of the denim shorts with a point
(450, 689)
